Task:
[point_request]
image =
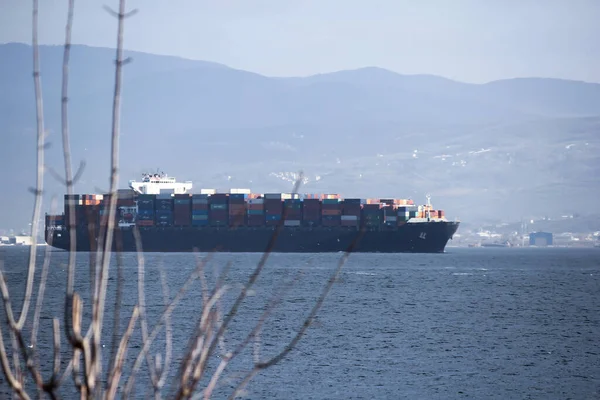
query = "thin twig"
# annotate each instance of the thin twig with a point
(243, 294)
(226, 358)
(168, 333)
(117, 368)
(307, 322)
(166, 313)
(100, 293)
(41, 289)
(142, 302)
(39, 184)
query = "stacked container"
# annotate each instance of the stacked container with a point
(199, 210)
(331, 212)
(292, 212)
(390, 215)
(311, 212)
(405, 213)
(237, 209)
(163, 207)
(371, 214)
(256, 212)
(351, 212)
(273, 208)
(145, 210)
(182, 210)
(217, 213)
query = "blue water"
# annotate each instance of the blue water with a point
(470, 323)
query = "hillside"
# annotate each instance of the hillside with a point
(498, 150)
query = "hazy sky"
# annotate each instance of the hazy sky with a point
(467, 40)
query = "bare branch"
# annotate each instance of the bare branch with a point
(168, 333)
(10, 377)
(41, 290)
(39, 187)
(253, 277)
(142, 301)
(100, 292)
(166, 313)
(63, 180)
(117, 368)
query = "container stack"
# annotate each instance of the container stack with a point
(331, 212)
(292, 212)
(311, 212)
(237, 209)
(256, 212)
(164, 209)
(371, 214)
(390, 215)
(199, 210)
(182, 209)
(145, 213)
(351, 212)
(217, 213)
(273, 208)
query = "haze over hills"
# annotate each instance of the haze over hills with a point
(500, 150)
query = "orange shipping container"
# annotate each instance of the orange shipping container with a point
(331, 212)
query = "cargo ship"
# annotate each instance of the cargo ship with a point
(169, 218)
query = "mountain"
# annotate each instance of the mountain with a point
(490, 151)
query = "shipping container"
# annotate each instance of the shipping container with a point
(256, 220)
(237, 196)
(353, 223)
(144, 222)
(330, 201)
(287, 196)
(331, 212)
(331, 220)
(272, 196)
(163, 218)
(240, 191)
(208, 191)
(289, 222)
(352, 201)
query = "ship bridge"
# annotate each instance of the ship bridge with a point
(160, 183)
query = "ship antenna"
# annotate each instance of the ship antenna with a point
(428, 211)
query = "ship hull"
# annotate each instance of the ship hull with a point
(426, 237)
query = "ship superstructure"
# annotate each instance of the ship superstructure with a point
(159, 184)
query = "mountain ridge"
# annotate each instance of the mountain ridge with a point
(367, 131)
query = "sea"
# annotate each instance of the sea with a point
(471, 323)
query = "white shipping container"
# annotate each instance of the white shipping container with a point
(240, 191)
(208, 191)
(288, 196)
(349, 218)
(291, 223)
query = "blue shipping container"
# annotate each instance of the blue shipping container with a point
(256, 212)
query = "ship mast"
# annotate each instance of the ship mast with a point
(427, 211)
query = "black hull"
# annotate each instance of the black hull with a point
(426, 237)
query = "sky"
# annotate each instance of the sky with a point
(467, 40)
